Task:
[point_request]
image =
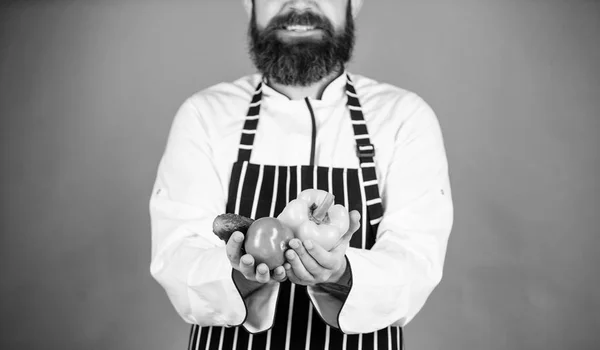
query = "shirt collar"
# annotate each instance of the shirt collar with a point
(335, 92)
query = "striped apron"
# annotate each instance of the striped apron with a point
(258, 190)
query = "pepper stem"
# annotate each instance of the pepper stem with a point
(320, 212)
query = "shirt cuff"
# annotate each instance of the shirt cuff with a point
(328, 301)
(327, 305)
(214, 298)
(260, 308)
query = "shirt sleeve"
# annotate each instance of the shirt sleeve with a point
(392, 280)
(188, 260)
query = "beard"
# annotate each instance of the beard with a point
(300, 62)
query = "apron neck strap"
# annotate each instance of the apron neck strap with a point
(250, 125)
(365, 151)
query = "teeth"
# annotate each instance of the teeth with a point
(300, 28)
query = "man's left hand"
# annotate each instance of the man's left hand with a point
(309, 264)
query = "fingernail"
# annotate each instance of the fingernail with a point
(294, 243)
(287, 266)
(262, 270)
(238, 238)
(291, 255)
(246, 260)
(308, 244)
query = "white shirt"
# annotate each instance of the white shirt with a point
(391, 282)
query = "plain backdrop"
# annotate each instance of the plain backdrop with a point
(88, 91)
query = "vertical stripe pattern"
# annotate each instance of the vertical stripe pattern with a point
(256, 191)
(250, 125)
(365, 152)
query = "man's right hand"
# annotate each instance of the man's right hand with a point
(247, 276)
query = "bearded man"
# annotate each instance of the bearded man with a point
(251, 146)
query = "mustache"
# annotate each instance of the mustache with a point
(300, 18)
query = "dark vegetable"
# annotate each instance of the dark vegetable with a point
(226, 224)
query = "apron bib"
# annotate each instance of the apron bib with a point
(258, 190)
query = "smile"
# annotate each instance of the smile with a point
(300, 28)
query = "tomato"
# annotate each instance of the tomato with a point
(267, 240)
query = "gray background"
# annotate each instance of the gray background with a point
(88, 91)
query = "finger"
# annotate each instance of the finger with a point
(290, 274)
(279, 274)
(246, 267)
(354, 226)
(297, 267)
(234, 247)
(354, 221)
(324, 258)
(311, 265)
(262, 273)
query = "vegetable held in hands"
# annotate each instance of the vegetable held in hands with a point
(225, 225)
(266, 239)
(314, 216)
(311, 216)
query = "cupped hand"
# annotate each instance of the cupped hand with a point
(309, 264)
(245, 263)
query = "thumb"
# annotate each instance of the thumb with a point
(354, 226)
(354, 222)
